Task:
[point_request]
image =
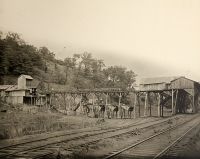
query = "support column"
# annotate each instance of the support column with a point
(139, 105)
(69, 103)
(41, 101)
(193, 102)
(175, 106)
(149, 105)
(93, 103)
(92, 99)
(145, 104)
(161, 106)
(134, 109)
(106, 99)
(31, 100)
(81, 104)
(172, 102)
(158, 104)
(65, 101)
(120, 108)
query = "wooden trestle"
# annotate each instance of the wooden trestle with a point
(68, 98)
(179, 99)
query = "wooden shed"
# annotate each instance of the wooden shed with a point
(183, 93)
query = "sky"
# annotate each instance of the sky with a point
(150, 37)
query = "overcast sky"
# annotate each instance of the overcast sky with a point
(151, 37)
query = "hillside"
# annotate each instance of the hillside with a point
(79, 71)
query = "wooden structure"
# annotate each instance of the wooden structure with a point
(23, 93)
(183, 93)
(177, 94)
(76, 96)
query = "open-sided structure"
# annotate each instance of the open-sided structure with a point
(183, 93)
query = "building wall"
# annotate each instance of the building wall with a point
(182, 83)
(17, 93)
(14, 99)
(2, 93)
(21, 82)
(24, 83)
(152, 87)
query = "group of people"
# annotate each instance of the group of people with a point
(99, 108)
(100, 103)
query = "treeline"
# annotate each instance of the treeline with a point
(79, 71)
(17, 57)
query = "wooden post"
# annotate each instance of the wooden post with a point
(162, 106)
(145, 104)
(69, 103)
(106, 99)
(149, 105)
(134, 109)
(172, 102)
(45, 101)
(175, 106)
(92, 99)
(120, 108)
(93, 103)
(41, 101)
(81, 104)
(158, 104)
(65, 101)
(31, 100)
(193, 102)
(139, 105)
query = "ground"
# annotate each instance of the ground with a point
(18, 122)
(22, 122)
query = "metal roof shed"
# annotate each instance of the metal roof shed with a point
(179, 90)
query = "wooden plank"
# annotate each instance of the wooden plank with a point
(149, 105)
(120, 109)
(145, 105)
(193, 103)
(139, 105)
(172, 102)
(135, 102)
(158, 104)
(176, 100)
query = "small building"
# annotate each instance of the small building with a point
(2, 91)
(25, 92)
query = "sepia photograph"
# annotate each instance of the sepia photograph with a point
(100, 79)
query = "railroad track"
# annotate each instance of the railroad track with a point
(94, 141)
(69, 133)
(7, 151)
(37, 147)
(157, 145)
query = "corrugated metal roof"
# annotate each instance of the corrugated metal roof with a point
(13, 87)
(26, 76)
(4, 87)
(158, 80)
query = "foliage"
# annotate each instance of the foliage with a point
(79, 71)
(17, 57)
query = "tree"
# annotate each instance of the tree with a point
(16, 57)
(46, 54)
(14, 39)
(86, 62)
(118, 76)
